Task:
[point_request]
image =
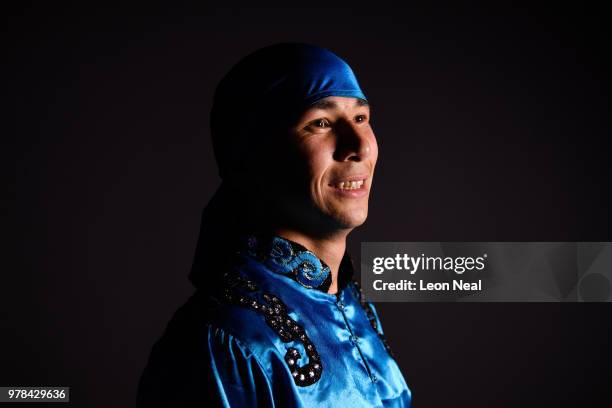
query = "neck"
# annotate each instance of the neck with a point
(330, 249)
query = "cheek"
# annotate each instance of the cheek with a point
(317, 159)
(373, 149)
(317, 166)
(375, 152)
(372, 139)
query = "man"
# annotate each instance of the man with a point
(276, 319)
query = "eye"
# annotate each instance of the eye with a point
(360, 118)
(319, 124)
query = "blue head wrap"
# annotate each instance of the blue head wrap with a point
(283, 79)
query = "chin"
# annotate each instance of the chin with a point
(352, 219)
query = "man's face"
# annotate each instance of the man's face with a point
(331, 165)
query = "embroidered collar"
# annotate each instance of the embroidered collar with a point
(293, 260)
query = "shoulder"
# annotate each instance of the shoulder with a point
(202, 323)
(199, 361)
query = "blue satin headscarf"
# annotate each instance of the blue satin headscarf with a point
(274, 84)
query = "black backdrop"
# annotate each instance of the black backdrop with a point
(492, 125)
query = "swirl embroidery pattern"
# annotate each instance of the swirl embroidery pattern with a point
(276, 315)
(292, 260)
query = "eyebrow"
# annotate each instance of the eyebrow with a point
(327, 104)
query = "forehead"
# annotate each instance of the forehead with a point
(338, 103)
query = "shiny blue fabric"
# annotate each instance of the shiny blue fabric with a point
(233, 358)
(313, 74)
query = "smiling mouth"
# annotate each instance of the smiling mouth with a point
(349, 185)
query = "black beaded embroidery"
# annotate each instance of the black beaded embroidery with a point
(276, 315)
(367, 307)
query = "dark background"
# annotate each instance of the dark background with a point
(492, 124)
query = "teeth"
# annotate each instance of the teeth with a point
(350, 185)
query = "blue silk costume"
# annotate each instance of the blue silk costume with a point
(261, 330)
(274, 337)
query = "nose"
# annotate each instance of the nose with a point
(353, 142)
